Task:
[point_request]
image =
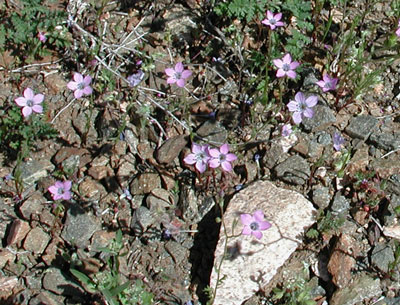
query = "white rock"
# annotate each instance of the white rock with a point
(254, 262)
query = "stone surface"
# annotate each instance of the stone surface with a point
(294, 170)
(100, 172)
(385, 140)
(340, 204)
(213, 131)
(92, 189)
(79, 226)
(5, 257)
(48, 298)
(171, 149)
(289, 213)
(361, 127)
(18, 231)
(362, 288)
(32, 171)
(36, 241)
(7, 215)
(321, 197)
(56, 281)
(145, 183)
(323, 117)
(382, 255)
(32, 206)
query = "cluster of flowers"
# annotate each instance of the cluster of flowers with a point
(203, 156)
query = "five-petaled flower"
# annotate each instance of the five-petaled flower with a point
(338, 140)
(254, 224)
(199, 157)
(178, 75)
(42, 36)
(80, 85)
(30, 102)
(286, 66)
(272, 20)
(221, 157)
(301, 106)
(327, 83)
(135, 78)
(398, 29)
(61, 190)
(286, 130)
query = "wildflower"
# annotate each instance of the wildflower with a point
(61, 190)
(286, 130)
(338, 140)
(272, 20)
(80, 85)
(301, 106)
(135, 78)
(177, 75)
(30, 102)
(327, 83)
(398, 29)
(286, 66)
(42, 36)
(199, 156)
(221, 157)
(254, 224)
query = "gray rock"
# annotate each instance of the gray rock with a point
(32, 171)
(142, 220)
(36, 241)
(86, 131)
(178, 253)
(32, 206)
(212, 131)
(56, 281)
(323, 117)
(171, 149)
(363, 288)
(321, 197)
(294, 170)
(34, 281)
(131, 138)
(323, 138)
(340, 204)
(382, 255)
(273, 155)
(385, 140)
(48, 298)
(7, 215)
(79, 226)
(393, 184)
(361, 127)
(389, 215)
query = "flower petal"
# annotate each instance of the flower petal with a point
(297, 117)
(308, 113)
(226, 166)
(87, 80)
(38, 98)
(246, 230)
(299, 97)
(186, 74)
(78, 77)
(26, 111)
(311, 101)
(264, 225)
(280, 73)
(67, 185)
(169, 71)
(37, 108)
(278, 17)
(78, 93)
(72, 85)
(180, 83)
(88, 90)
(214, 152)
(294, 65)
(246, 219)
(201, 166)
(278, 63)
(258, 215)
(66, 195)
(224, 149)
(21, 101)
(293, 106)
(270, 15)
(291, 74)
(171, 80)
(230, 157)
(28, 93)
(190, 159)
(179, 67)
(53, 189)
(214, 163)
(257, 234)
(287, 59)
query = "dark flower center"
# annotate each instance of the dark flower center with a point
(286, 67)
(254, 226)
(60, 191)
(200, 156)
(81, 86)
(222, 157)
(272, 21)
(29, 103)
(178, 75)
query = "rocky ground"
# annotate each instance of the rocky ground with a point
(140, 227)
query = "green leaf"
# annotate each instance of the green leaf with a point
(83, 278)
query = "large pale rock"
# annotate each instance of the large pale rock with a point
(252, 263)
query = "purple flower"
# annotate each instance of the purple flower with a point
(254, 224)
(327, 83)
(301, 106)
(286, 66)
(42, 36)
(398, 29)
(272, 20)
(338, 140)
(286, 130)
(221, 157)
(30, 102)
(199, 156)
(61, 190)
(80, 85)
(135, 78)
(177, 75)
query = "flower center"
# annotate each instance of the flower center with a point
(254, 226)
(29, 103)
(328, 85)
(286, 67)
(60, 191)
(178, 75)
(302, 107)
(200, 156)
(222, 157)
(81, 86)
(272, 21)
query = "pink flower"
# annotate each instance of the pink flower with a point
(286, 130)
(286, 66)
(327, 83)
(42, 36)
(273, 20)
(199, 156)
(80, 85)
(301, 106)
(177, 75)
(61, 190)
(221, 157)
(254, 224)
(30, 102)
(398, 29)
(338, 140)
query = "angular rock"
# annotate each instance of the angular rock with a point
(7, 214)
(18, 231)
(145, 183)
(5, 257)
(323, 117)
(36, 241)
(361, 127)
(288, 212)
(385, 140)
(59, 283)
(171, 149)
(101, 239)
(362, 288)
(340, 204)
(382, 256)
(48, 298)
(321, 197)
(100, 172)
(91, 189)
(32, 206)
(32, 171)
(213, 131)
(67, 152)
(79, 226)
(294, 170)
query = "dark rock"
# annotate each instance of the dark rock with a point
(213, 131)
(79, 226)
(294, 170)
(361, 127)
(67, 152)
(48, 298)
(323, 117)
(273, 155)
(5, 257)
(7, 215)
(340, 204)
(142, 220)
(382, 255)
(385, 140)
(92, 189)
(321, 197)
(171, 149)
(178, 253)
(56, 281)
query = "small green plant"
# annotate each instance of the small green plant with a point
(393, 265)
(241, 9)
(326, 223)
(108, 282)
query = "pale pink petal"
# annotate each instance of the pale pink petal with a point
(226, 166)
(180, 83)
(201, 166)
(53, 189)
(214, 152)
(186, 74)
(28, 93)
(57, 196)
(214, 163)
(246, 219)
(190, 159)
(398, 32)
(169, 71)
(257, 234)
(272, 26)
(291, 74)
(78, 93)
(293, 106)
(196, 148)
(179, 67)
(87, 90)
(38, 98)
(37, 108)
(67, 185)
(258, 215)
(270, 15)
(224, 149)
(280, 73)
(72, 85)
(26, 111)
(278, 17)
(299, 97)
(311, 101)
(78, 77)
(231, 157)
(21, 101)
(278, 63)
(264, 225)
(308, 113)
(66, 196)
(59, 185)
(87, 80)
(297, 117)
(287, 59)
(171, 80)
(321, 83)
(266, 22)
(246, 231)
(294, 65)
(279, 23)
